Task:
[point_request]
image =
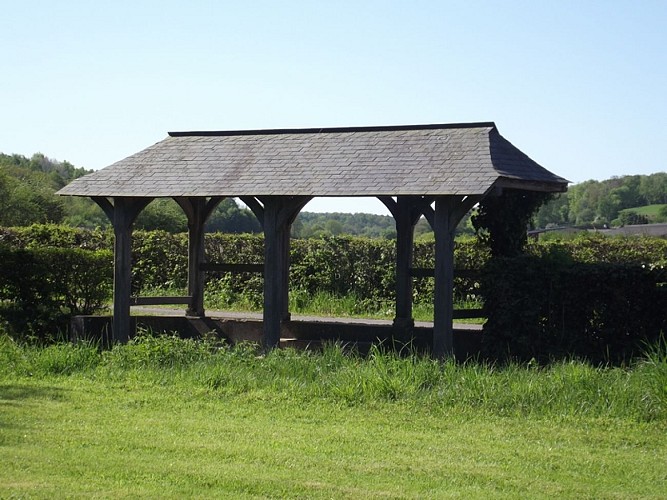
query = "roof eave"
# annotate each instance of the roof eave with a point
(531, 185)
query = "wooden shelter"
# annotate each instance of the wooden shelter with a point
(438, 171)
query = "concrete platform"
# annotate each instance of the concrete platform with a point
(306, 332)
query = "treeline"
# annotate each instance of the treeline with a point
(318, 225)
(27, 196)
(309, 225)
(28, 186)
(610, 202)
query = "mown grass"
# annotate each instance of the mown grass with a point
(168, 417)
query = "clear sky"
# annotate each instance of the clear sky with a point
(580, 86)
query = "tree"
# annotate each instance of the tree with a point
(501, 221)
(583, 202)
(228, 217)
(163, 214)
(653, 188)
(663, 212)
(553, 213)
(24, 203)
(609, 206)
(333, 227)
(597, 201)
(84, 212)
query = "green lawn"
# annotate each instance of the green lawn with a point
(168, 419)
(651, 211)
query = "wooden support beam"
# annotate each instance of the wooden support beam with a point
(278, 213)
(288, 213)
(195, 257)
(122, 276)
(122, 212)
(105, 205)
(449, 210)
(406, 211)
(155, 301)
(443, 334)
(274, 262)
(197, 210)
(255, 206)
(405, 230)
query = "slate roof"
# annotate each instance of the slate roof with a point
(455, 159)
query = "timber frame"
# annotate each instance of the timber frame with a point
(436, 171)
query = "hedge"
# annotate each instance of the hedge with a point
(338, 265)
(543, 308)
(40, 288)
(593, 296)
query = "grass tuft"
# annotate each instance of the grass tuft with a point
(161, 351)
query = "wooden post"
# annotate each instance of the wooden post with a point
(406, 211)
(197, 210)
(122, 214)
(284, 256)
(276, 216)
(405, 226)
(443, 333)
(449, 210)
(122, 276)
(274, 273)
(195, 259)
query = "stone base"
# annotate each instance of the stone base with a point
(299, 333)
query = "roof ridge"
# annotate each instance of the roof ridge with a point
(329, 130)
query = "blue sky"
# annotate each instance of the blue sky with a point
(580, 86)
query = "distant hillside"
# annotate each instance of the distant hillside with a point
(652, 213)
(596, 203)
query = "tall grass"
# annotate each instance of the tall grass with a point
(563, 389)
(321, 303)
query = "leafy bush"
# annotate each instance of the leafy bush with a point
(58, 236)
(337, 266)
(159, 260)
(41, 287)
(629, 217)
(334, 265)
(501, 221)
(598, 248)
